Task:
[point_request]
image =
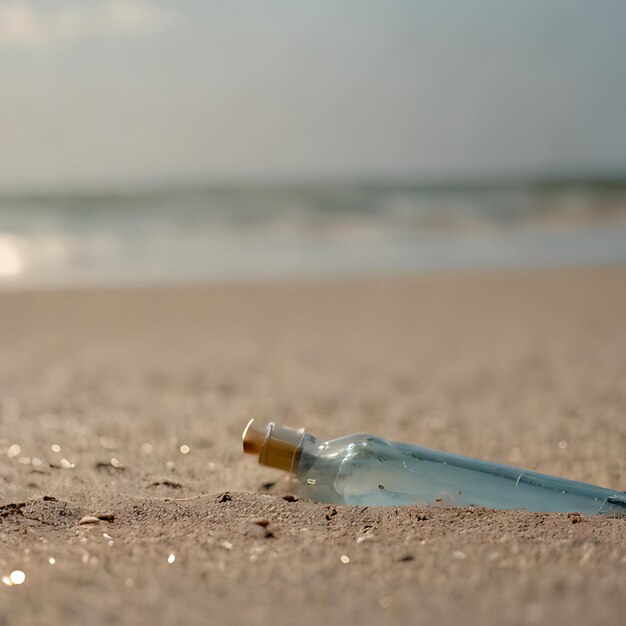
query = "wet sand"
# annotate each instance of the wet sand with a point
(129, 404)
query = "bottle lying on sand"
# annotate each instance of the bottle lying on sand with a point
(367, 470)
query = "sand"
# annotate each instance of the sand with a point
(526, 368)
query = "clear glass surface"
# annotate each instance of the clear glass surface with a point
(368, 470)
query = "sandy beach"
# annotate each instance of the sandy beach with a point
(129, 405)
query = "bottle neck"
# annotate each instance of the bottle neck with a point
(276, 446)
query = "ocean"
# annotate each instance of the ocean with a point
(201, 234)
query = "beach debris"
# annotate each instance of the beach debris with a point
(345, 559)
(184, 449)
(112, 464)
(55, 447)
(171, 558)
(227, 545)
(97, 518)
(14, 450)
(263, 523)
(224, 497)
(166, 483)
(65, 464)
(52, 560)
(391, 473)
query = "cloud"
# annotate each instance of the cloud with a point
(24, 25)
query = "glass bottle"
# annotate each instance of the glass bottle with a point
(367, 470)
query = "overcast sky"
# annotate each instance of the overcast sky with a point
(95, 92)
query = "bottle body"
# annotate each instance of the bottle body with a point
(368, 470)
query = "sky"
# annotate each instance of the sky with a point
(121, 92)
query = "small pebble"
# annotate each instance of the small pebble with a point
(290, 498)
(89, 519)
(262, 522)
(14, 450)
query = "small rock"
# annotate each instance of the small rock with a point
(225, 497)
(290, 498)
(167, 483)
(407, 557)
(89, 519)
(113, 464)
(49, 499)
(262, 522)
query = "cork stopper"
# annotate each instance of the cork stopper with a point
(276, 446)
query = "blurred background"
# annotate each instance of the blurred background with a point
(171, 142)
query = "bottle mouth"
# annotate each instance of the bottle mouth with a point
(275, 445)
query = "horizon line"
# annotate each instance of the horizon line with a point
(531, 182)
